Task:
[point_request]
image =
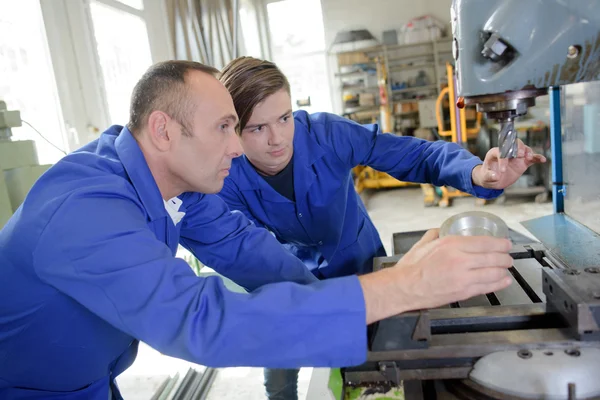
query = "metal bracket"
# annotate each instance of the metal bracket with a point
(422, 330)
(571, 292)
(389, 369)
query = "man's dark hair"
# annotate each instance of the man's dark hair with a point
(163, 88)
(250, 81)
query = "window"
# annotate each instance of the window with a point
(139, 4)
(249, 30)
(28, 84)
(123, 53)
(298, 47)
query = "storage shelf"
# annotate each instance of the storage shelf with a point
(360, 108)
(414, 89)
(430, 57)
(355, 74)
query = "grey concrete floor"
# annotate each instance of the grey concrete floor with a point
(392, 211)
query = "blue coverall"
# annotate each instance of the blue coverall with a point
(327, 226)
(88, 268)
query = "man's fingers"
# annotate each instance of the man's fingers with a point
(493, 154)
(428, 237)
(488, 275)
(522, 149)
(491, 176)
(502, 164)
(479, 244)
(489, 260)
(536, 159)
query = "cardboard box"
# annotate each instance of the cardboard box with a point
(357, 57)
(470, 113)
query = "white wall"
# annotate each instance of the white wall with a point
(378, 15)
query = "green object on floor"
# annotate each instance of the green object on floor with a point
(358, 393)
(336, 383)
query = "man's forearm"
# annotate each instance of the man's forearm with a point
(378, 288)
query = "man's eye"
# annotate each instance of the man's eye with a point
(224, 126)
(258, 128)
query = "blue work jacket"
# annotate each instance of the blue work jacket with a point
(88, 268)
(327, 226)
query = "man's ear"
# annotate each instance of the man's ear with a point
(158, 130)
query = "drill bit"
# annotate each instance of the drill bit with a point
(507, 139)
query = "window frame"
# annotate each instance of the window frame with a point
(78, 74)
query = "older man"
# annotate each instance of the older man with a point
(88, 261)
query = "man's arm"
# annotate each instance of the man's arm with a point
(100, 252)
(403, 157)
(438, 272)
(230, 194)
(227, 242)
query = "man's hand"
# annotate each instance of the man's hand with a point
(436, 272)
(497, 173)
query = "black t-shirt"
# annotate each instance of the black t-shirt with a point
(283, 182)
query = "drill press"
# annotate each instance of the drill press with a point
(508, 52)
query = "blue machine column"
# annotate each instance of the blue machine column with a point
(558, 186)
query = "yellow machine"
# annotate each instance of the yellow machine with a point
(458, 133)
(367, 177)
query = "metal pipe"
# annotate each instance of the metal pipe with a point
(558, 188)
(452, 106)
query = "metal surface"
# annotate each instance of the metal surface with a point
(540, 373)
(503, 64)
(570, 292)
(474, 223)
(445, 343)
(403, 241)
(571, 243)
(194, 385)
(581, 152)
(495, 48)
(540, 34)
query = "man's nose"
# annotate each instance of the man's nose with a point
(235, 148)
(275, 136)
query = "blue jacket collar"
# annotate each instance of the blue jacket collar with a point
(306, 152)
(137, 169)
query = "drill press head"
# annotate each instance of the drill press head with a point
(508, 52)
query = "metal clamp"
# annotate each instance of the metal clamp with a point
(390, 370)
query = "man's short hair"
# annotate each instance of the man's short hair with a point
(163, 88)
(250, 81)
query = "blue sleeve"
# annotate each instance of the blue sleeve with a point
(406, 158)
(100, 252)
(231, 196)
(228, 243)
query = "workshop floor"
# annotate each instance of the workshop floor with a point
(392, 211)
